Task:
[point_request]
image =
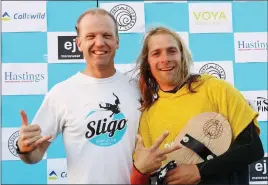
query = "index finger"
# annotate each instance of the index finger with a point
(160, 140)
(24, 118)
(169, 150)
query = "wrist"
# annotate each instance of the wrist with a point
(139, 168)
(18, 149)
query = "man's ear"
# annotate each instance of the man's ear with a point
(117, 42)
(78, 43)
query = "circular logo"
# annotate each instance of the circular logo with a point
(12, 143)
(125, 16)
(213, 69)
(213, 129)
(107, 131)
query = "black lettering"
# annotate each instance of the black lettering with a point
(98, 132)
(90, 133)
(104, 130)
(112, 128)
(121, 124)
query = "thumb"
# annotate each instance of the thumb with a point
(24, 118)
(139, 143)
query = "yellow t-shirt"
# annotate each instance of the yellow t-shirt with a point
(172, 111)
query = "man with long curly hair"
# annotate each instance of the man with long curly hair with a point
(170, 97)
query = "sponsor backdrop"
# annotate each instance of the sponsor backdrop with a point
(227, 39)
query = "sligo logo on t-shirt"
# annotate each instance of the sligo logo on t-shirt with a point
(107, 130)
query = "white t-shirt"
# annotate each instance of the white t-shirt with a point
(99, 120)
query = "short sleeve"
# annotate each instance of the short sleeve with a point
(233, 105)
(47, 117)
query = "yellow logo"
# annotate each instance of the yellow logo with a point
(52, 175)
(5, 17)
(212, 16)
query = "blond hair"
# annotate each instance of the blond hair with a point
(147, 83)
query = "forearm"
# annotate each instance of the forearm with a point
(239, 156)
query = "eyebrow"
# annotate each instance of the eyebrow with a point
(101, 33)
(171, 47)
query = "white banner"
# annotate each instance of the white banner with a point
(24, 16)
(220, 69)
(210, 17)
(251, 47)
(259, 101)
(129, 16)
(57, 171)
(24, 78)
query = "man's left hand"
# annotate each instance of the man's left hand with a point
(183, 174)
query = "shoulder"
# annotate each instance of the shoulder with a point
(62, 87)
(214, 83)
(129, 85)
(128, 79)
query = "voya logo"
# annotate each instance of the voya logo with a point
(5, 17)
(108, 130)
(251, 45)
(209, 16)
(12, 77)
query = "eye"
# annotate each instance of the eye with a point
(172, 50)
(155, 53)
(108, 36)
(90, 36)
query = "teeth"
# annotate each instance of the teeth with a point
(166, 69)
(99, 52)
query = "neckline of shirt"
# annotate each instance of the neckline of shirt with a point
(90, 79)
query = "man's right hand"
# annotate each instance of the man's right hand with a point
(148, 160)
(30, 135)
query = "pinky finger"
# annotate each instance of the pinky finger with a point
(43, 139)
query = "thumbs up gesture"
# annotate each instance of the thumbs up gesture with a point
(149, 160)
(30, 135)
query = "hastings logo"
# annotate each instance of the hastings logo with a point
(213, 69)
(6, 17)
(253, 45)
(125, 16)
(12, 143)
(11, 77)
(108, 130)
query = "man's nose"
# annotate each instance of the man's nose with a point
(164, 57)
(99, 41)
